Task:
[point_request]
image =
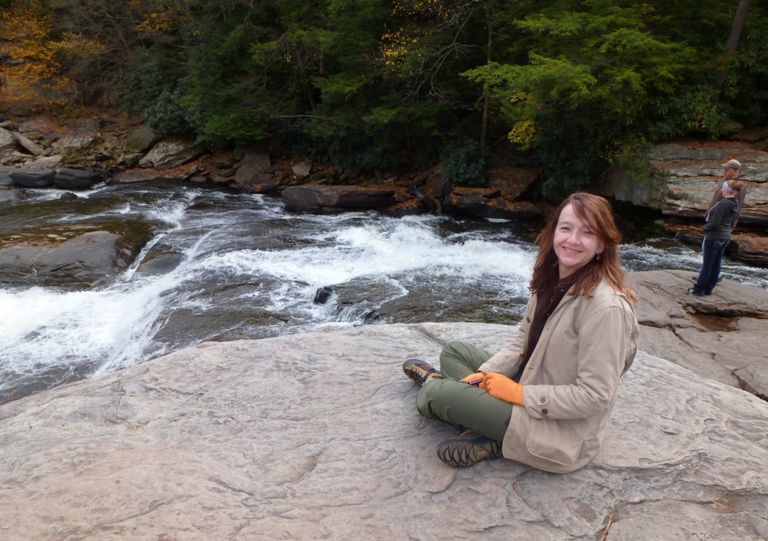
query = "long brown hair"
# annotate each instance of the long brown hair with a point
(596, 213)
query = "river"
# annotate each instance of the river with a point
(239, 266)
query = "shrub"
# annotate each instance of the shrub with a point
(465, 162)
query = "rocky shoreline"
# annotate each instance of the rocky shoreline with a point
(316, 436)
(41, 152)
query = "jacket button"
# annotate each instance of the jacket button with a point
(544, 411)
(542, 400)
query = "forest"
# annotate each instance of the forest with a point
(571, 86)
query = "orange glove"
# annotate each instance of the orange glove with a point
(476, 375)
(504, 388)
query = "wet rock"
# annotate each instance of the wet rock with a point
(322, 295)
(33, 178)
(75, 179)
(487, 203)
(321, 198)
(161, 259)
(146, 175)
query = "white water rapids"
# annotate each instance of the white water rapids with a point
(244, 268)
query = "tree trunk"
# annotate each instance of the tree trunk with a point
(733, 41)
(737, 28)
(486, 90)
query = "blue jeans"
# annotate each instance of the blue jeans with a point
(712, 251)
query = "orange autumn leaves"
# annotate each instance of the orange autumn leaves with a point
(30, 74)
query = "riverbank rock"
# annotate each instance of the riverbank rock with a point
(684, 175)
(316, 436)
(172, 152)
(322, 198)
(721, 336)
(748, 246)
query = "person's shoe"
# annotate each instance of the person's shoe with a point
(694, 292)
(419, 371)
(468, 448)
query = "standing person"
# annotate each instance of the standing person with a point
(717, 234)
(731, 171)
(544, 399)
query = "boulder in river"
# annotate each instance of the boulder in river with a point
(322, 198)
(75, 179)
(33, 178)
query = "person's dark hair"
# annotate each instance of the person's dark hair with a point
(596, 213)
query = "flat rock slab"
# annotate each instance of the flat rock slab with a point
(316, 436)
(721, 336)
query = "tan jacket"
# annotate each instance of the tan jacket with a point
(570, 382)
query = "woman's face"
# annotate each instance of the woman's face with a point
(575, 244)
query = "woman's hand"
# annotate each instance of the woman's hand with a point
(502, 387)
(474, 376)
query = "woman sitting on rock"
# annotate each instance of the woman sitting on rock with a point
(720, 221)
(545, 399)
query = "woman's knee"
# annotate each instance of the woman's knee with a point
(459, 359)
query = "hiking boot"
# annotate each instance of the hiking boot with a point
(468, 448)
(419, 371)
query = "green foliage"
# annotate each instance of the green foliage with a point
(358, 153)
(465, 162)
(574, 85)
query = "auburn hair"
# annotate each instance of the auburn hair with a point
(596, 213)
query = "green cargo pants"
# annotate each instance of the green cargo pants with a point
(460, 404)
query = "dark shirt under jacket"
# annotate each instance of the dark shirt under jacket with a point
(546, 301)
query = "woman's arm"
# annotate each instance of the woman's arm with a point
(603, 344)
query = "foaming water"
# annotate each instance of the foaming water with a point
(223, 266)
(245, 269)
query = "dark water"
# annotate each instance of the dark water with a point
(222, 266)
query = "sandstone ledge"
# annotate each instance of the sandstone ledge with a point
(316, 436)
